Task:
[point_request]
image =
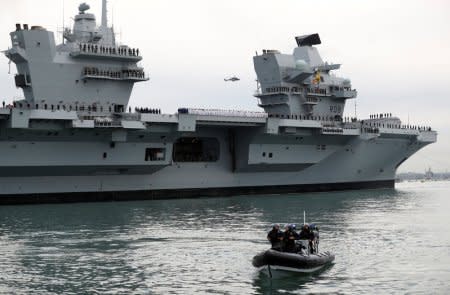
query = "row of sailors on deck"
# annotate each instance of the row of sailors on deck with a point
(89, 108)
(420, 128)
(397, 126)
(114, 74)
(124, 51)
(384, 125)
(147, 111)
(308, 89)
(381, 116)
(307, 117)
(219, 112)
(285, 241)
(376, 130)
(58, 107)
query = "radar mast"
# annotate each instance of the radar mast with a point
(104, 13)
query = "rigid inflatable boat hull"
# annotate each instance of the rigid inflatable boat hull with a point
(272, 260)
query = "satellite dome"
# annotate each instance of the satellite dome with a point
(346, 82)
(301, 65)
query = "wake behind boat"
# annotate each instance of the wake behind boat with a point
(293, 252)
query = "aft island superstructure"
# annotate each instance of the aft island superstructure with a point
(74, 138)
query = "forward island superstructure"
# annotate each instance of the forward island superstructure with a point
(74, 138)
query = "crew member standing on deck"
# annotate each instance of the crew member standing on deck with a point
(307, 234)
(275, 236)
(289, 239)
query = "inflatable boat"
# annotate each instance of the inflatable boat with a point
(273, 260)
(305, 259)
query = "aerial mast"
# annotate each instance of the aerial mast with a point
(104, 13)
(63, 22)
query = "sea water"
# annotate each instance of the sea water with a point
(392, 241)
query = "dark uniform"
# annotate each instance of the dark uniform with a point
(289, 240)
(275, 236)
(307, 234)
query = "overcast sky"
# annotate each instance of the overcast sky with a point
(395, 52)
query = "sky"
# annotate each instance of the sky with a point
(396, 53)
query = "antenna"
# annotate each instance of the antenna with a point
(304, 217)
(112, 16)
(355, 110)
(104, 13)
(63, 16)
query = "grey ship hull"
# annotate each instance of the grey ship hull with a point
(104, 196)
(72, 168)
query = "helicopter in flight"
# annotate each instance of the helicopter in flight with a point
(232, 79)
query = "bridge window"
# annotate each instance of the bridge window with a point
(155, 154)
(196, 149)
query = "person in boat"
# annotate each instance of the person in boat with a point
(289, 238)
(275, 236)
(307, 234)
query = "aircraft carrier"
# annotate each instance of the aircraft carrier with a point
(74, 138)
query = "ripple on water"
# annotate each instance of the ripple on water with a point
(386, 242)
